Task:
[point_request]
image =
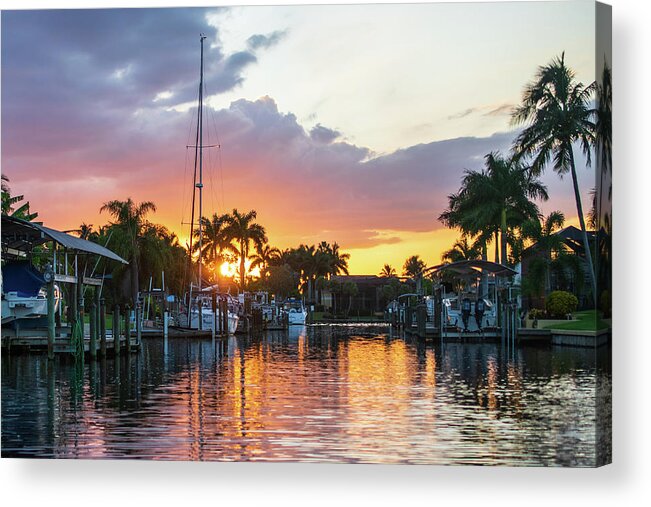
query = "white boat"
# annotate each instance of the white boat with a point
(453, 314)
(295, 311)
(207, 314)
(22, 294)
(208, 318)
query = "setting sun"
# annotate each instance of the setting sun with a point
(230, 269)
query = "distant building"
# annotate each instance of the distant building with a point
(366, 300)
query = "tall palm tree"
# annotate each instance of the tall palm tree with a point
(557, 113)
(461, 250)
(243, 231)
(129, 222)
(497, 198)
(265, 256)
(387, 271)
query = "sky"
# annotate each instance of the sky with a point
(346, 123)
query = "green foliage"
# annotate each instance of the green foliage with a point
(394, 288)
(413, 267)
(242, 231)
(462, 250)
(533, 284)
(561, 303)
(282, 281)
(557, 112)
(496, 199)
(536, 313)
(10, 202)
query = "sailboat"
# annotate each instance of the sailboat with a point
(200, 314)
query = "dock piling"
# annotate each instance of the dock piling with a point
(93, 331)
(138, 324)
(127, 329)
(102, 327)
(51, 330)
(116, 330)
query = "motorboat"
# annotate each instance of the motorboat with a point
(453, 313)
(295, 311)
(23, 295)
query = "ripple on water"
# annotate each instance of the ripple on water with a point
(328, 393)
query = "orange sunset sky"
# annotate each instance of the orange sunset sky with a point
(338, 123)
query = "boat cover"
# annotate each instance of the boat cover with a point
(22, 278)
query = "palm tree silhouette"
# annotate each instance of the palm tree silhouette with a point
(557, 112)
(496, 199)
(265, 256)
(461, 250)
(242, 230)
(387, 271)
(129, 223)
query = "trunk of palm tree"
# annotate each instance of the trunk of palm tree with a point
(497, 248)
(484, 276)
(586, 243)
(503, 236)
(134, 279)
(242, 266)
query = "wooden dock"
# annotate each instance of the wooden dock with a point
(38, 343)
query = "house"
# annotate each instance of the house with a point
(339, 296)
(571, 274)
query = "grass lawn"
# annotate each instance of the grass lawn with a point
(109, 320)
(583, 321)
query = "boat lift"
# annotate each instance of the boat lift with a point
(458, 315)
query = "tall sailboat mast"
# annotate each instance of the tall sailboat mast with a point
(199, 145)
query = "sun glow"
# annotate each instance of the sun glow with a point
(231, 269)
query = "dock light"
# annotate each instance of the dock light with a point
(48, 273)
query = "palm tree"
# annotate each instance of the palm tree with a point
(215, 239)
(495, 199)
(265, 256)
(557, 113)
(8, 201)
(543, 235)
(413, 267)
(461, 250)
(387, 271)
(129, 222)
(242, 229)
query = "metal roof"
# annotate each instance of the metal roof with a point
(474, 268)
(22, 235)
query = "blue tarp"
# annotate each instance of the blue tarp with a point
(23, 278)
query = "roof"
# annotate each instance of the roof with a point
(474, 268)
(22, 235)
(573, 238)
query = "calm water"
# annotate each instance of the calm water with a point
(327, 394)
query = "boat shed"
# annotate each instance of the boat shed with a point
(63, 263)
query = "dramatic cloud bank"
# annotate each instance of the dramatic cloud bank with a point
(91, 112)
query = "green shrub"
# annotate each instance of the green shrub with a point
(536, 313)
(559, 303)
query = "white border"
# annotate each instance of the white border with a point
(626, 482)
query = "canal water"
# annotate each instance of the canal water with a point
(344, 394)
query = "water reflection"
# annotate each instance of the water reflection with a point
(337, 393)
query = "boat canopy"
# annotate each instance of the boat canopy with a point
(473, 269)
(21, 235)
(23, 278)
